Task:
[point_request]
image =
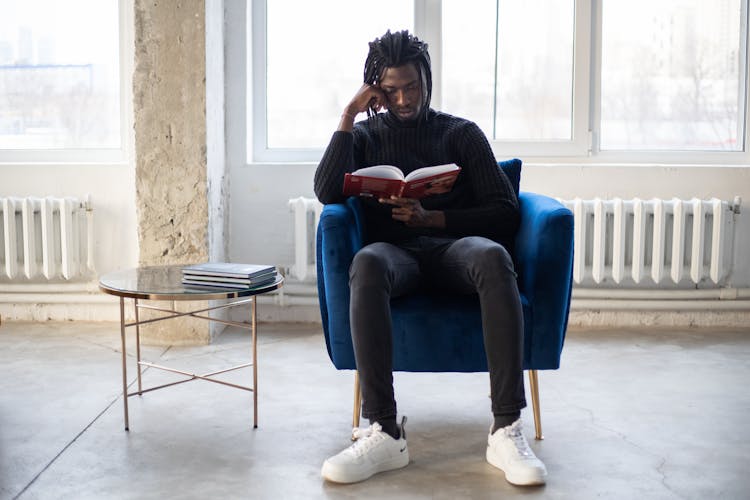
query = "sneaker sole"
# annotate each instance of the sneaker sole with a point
(331, 473)
(530, 479)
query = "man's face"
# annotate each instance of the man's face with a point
(402, 88)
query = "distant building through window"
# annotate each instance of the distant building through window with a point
(671, 75)
(59, 75)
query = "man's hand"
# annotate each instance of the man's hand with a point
(410, 212)
(368, 96)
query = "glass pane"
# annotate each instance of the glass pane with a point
(315, 55)
(469, 61)
(527, 72)
(671, 75)
(58, 89)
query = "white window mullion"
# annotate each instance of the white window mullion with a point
(595, 77)
(428, 26)
(743, 83)
(258, 132)
(127, 55)
(581, 142)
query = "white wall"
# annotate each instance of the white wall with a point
(260, 223)
(112, 190)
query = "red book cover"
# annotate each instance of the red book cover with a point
(383, 181)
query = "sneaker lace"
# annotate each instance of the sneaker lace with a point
(519, 440)
(366, 439)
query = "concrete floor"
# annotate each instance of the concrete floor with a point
(631, 414)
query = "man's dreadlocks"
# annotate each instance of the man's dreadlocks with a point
(396, 49)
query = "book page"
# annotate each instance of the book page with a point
(439, 183)
(430, 171)
(381, 171)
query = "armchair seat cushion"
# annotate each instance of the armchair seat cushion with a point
(453, 335)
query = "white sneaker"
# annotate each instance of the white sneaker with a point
(508, 450)
(374, 451)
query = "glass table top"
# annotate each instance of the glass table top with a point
(165, 283)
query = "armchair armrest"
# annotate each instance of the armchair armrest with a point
(339, 237)
(544, 263)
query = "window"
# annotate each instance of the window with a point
(60, 86)
(671, 75)
(522, 89)
(615, 80)
(312, 69)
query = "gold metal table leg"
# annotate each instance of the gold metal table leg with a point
(138, 345)
(173, 314)
(124, 362)
(253, 322)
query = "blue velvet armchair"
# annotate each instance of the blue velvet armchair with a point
(443, 333)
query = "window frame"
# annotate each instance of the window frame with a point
(586, 98)
(96, 155)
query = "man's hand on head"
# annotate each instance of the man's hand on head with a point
(410, 212)
(367, 97)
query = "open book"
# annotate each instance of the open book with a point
(382, 181)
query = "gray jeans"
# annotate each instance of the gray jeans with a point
(381, 271)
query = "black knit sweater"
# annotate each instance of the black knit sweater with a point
(481, 203)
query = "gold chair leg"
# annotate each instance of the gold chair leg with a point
(357, 403)
(534, 386)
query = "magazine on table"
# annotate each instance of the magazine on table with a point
(228, 284)
(228, 270)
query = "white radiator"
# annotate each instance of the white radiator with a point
(652, 241)
(45, 238)
(306, 214)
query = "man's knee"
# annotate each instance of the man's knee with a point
(368, 264)
(491, 257)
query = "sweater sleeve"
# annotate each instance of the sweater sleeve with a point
(337, 159)
(495, 211)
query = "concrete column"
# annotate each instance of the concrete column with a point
(169, 92)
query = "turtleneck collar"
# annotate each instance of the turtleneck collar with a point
(392, 121)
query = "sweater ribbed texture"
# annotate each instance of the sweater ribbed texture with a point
(481, 203)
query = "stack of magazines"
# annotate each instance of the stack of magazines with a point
(228, 275)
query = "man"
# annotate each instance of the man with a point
(462, 237)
